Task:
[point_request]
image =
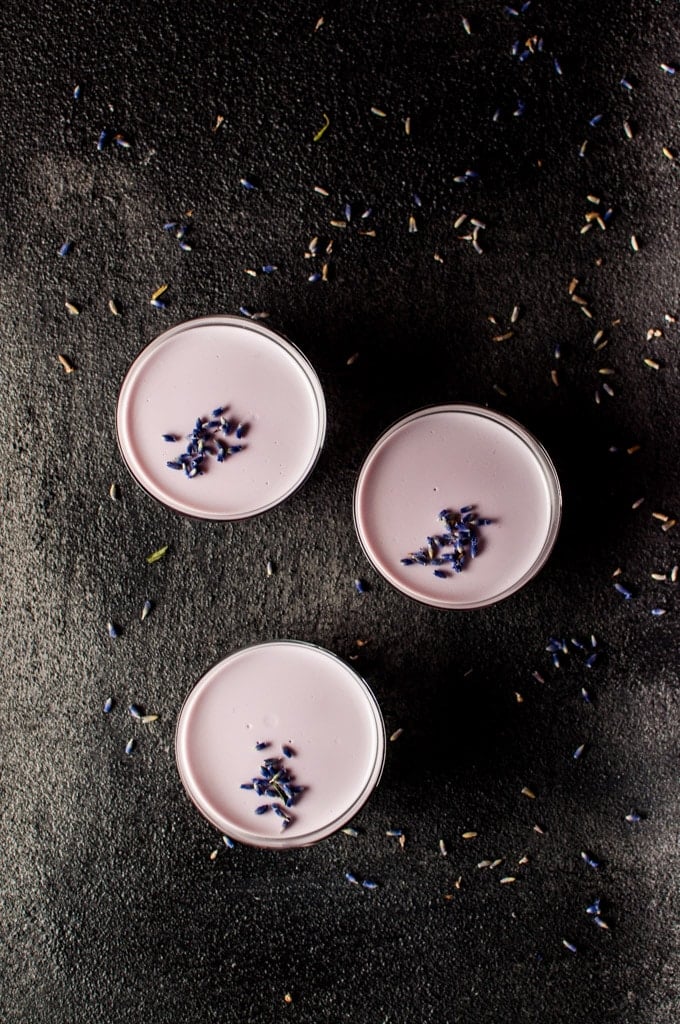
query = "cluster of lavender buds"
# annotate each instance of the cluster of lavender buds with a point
(206, 440)
(449, 551)
(277, 783)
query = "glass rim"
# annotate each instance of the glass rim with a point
(277, 337)
(283, 841)
(545, 464)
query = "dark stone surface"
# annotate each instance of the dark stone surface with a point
(112, 910)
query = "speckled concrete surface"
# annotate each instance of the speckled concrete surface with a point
(113, 910)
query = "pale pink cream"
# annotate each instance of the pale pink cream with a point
(448, 457)
(284, 692)
(263, 380)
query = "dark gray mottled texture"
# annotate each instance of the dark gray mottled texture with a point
(111, 909)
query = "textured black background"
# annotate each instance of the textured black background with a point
(112, 909)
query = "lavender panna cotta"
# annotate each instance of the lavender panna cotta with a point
(457, 506)
(280, 744)
(207, 391)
